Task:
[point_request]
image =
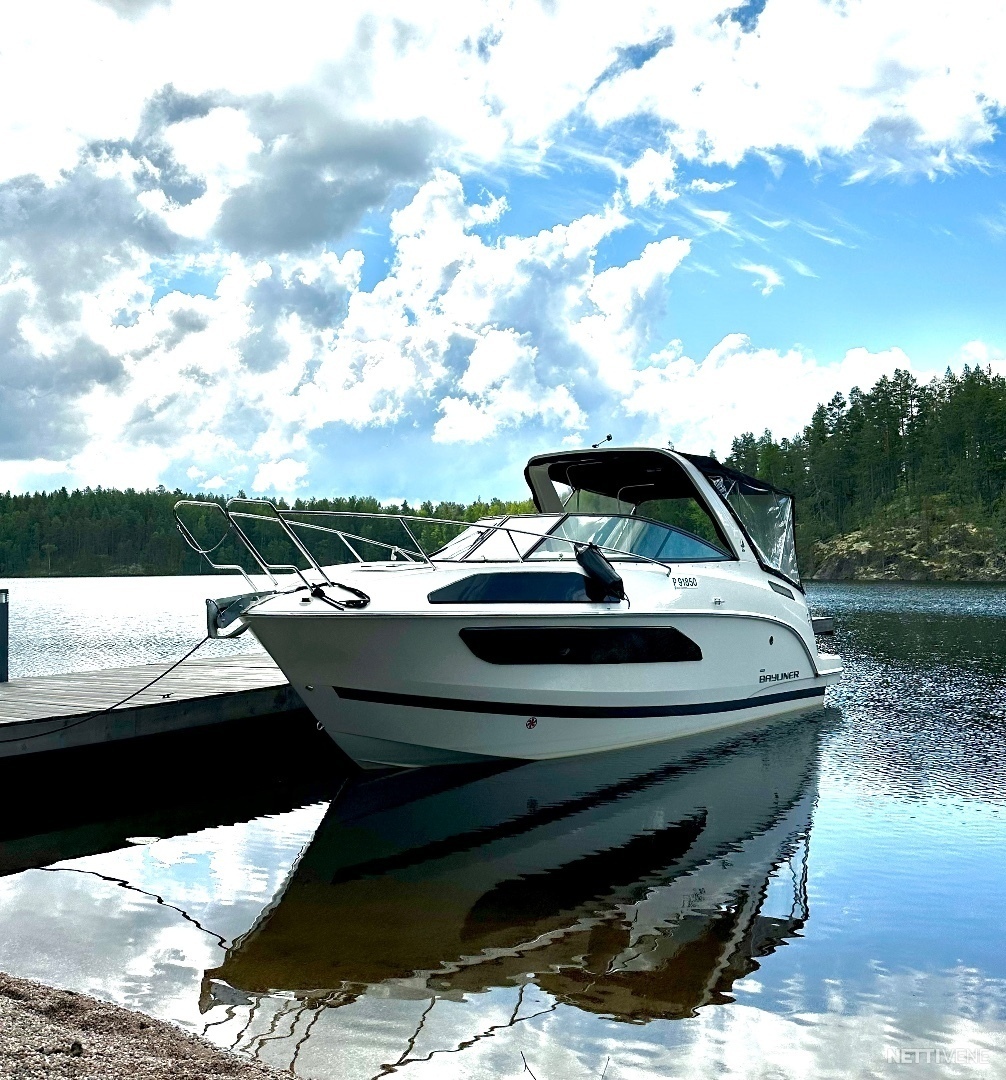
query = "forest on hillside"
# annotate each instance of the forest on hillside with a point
(932, 454)
(901, 451)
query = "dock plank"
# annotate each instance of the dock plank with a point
(55, 711)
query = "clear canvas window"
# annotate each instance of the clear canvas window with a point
(767, 516)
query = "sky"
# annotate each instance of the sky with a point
(396, 249)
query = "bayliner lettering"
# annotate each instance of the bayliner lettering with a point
(780, 676)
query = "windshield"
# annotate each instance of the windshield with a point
(508, 544)
(465, 540)
(630, 535)
(767, 515)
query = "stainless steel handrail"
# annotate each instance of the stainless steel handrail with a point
(207, 552)
(264, 566)
(342, 534)
(494, 528)
(279, 517)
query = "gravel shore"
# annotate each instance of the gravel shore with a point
(55, 1033)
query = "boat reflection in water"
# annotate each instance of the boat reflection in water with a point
(632, 885)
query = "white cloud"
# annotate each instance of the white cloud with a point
(281, 476)
(651, 177)
(995, 223)
(766, 278)
(617, 290)
(464, 338)
(38, 474)
(981, 354)
(718, 219)
(450, 337)
(709, 187)
(495, 78)
(801, 268)
(773, 223)
(738, 387)
(502, 388)
(897, 88)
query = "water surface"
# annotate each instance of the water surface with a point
(84, 624)
(814, 899)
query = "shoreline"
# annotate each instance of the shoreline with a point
(48, 1032)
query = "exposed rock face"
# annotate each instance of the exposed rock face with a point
(926, 551)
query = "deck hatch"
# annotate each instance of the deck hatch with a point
(580, 645)
(515, 587)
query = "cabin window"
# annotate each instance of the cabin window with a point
(685, 513)
(515, 587)
(640, 484)
(580, 645)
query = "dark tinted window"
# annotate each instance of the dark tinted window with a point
(514, 587)
(580, 645)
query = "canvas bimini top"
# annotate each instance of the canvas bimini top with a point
(653, 483)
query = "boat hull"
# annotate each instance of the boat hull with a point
(405, 690)
(377, 734)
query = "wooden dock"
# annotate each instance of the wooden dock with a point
(55, 712)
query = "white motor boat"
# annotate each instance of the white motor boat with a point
(654, 595)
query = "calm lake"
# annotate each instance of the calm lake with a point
(823, 897)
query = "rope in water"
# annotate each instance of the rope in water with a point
(109, 708)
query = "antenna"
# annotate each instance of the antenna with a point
(594, 446)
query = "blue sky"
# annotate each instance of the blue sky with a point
(397, 251)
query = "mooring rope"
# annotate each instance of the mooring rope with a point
(109, 708)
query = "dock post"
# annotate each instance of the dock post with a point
(4, 624)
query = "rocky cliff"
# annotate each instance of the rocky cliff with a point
(912, 551)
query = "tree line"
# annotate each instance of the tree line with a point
(101, 531)
(901, 450)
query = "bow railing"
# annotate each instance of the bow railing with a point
(237, 513)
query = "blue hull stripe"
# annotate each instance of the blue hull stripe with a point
(509, 708)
